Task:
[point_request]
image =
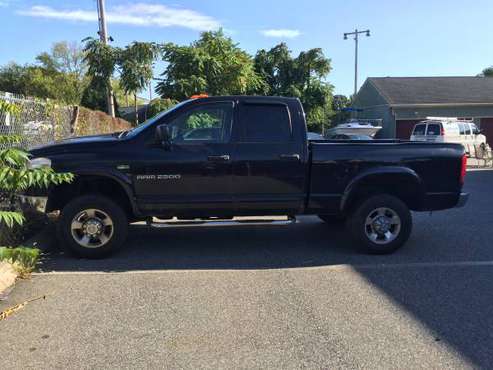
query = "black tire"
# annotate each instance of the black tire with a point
(370, 209)
(332, 219)
(114, 235)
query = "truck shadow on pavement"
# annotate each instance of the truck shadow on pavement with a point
(307, 243)
(453, 301)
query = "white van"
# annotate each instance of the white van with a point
(452, 130)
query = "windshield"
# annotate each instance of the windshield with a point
(137, 130)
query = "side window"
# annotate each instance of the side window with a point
(462, 129)
(207, 123)
(419, 130)
(468, 128)
(265, 123)
(434, 129)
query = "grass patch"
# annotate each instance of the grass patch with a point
(23, 259)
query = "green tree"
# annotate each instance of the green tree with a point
(487, 72)
(302, 77)
(339, 103)
(101, 60)
(16, 175)
(38, 81)
(66, 57)
(159, 105)
(213, 65)
(136, 68)
(58, 74)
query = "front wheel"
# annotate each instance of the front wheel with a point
(381, 224)
(92, 226)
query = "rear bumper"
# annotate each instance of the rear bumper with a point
(463, 198)
(440, 201)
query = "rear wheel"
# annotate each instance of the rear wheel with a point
(92, 226)
(381, 224)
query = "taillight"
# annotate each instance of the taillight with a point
(463, 169)
(442, 131)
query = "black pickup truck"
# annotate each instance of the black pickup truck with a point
(211, 159)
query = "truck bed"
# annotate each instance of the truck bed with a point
(336, 163)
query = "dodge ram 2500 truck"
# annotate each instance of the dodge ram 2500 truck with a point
(220, 157)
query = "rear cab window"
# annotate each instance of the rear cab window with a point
(265, 123)
(420, 129)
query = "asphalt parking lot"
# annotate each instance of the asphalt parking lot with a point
(264, 297)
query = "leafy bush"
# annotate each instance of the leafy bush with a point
(17, 176)
(22, 258)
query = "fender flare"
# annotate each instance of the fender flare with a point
(380, 171)
(124, 181)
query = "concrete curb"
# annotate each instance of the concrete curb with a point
(8, 275)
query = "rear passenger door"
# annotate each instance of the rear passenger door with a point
(269, 169)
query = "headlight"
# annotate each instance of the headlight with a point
(39, 163)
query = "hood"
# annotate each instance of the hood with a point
(83, 143)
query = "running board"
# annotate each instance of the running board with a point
(220, 223)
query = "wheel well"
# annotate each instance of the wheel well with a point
(60, 195)
(404, 187)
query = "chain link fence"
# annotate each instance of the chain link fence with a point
(38, 123)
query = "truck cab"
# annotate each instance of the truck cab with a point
(223, 155)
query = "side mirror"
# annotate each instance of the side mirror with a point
(163, 135)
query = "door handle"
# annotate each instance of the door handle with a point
(218, 158)
(290, 157)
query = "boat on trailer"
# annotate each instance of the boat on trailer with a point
(356, 126)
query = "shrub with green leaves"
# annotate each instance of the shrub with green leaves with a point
(22, 258)
(17, 176)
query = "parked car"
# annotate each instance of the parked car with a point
(452, 130)
(261, 164)
(348, 137)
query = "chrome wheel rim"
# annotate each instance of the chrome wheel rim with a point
(382, 225)
(92, 228)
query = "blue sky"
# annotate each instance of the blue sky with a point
(409, 38)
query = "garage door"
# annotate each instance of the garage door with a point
(487, 128)
(404, 128)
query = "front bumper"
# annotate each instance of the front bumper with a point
(463, 198)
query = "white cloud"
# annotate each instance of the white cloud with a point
(4, 3)
(139, 14)
(281, 33)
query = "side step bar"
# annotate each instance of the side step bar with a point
(221, 223)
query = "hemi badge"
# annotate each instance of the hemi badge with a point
(123, 167)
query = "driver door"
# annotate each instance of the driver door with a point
(195, 173)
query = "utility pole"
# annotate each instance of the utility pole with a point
(103, 35)
(356, 33)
